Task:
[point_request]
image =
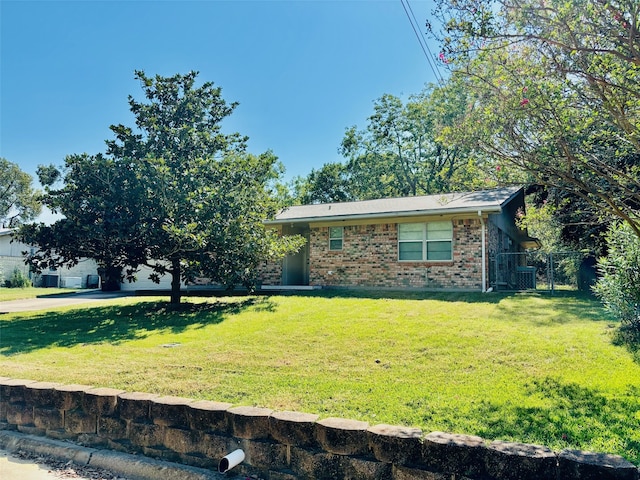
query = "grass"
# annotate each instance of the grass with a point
(530, 368)
(7, 294)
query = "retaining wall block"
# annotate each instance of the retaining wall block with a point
(294, 428)
(61, 434)
(92, 440)
(363, 469)
(145, 435)
(31, 430)
(454, 453)
(316, 466)
(183, 441)
(342, 436)
(282, 476)
(136, 406)
(48, 418)
(69, 397)
(41, 394)
(328, 466)
(265, 455)
(170, 411)
(19, 414)
(101, 401)
(251, 423)
(198, 460)
(112, 428)
(518, 461)
(13, 390)
(591, 466)
(208, 416)
(393, 444)
(78, 421)
(401, 472)
(161, 453)
(3, 411)
(217, 446)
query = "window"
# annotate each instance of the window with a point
(431, 241)
(335, 238)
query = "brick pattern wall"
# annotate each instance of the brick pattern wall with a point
(370, 258)
(271, 273)
(281, 445)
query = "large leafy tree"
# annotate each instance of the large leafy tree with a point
(192, 200)
(328, 184)
(103, 206)
(401, 151)
(18, 201)
(553, 89)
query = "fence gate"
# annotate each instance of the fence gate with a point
(541, 271)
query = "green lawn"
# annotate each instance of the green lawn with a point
(532, 368)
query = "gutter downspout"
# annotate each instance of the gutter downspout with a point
(484, 253)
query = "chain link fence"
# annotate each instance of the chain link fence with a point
(542, 271)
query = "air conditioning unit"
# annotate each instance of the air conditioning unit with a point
(49, 280)
(72, 282)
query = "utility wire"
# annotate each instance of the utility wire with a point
(423, 43)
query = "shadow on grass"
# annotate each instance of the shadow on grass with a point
(573, 417)
(562, 308)
(409, 294)
(114, 324)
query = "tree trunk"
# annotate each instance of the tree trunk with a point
(175, 281)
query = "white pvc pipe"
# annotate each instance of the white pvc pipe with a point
(230, 461)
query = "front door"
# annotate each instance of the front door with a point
(295, 268)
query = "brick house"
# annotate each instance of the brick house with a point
(440, 242)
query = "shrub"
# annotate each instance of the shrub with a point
(619, 284)
(17, 280)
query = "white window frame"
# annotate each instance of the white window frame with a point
(336, 238)
(425, 241)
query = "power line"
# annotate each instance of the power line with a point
(421, 41)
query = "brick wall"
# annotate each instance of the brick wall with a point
(281, 445)
(271, 273)
(370, 258)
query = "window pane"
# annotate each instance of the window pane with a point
(439, 251)
(335, 232)
(410, 251)
(335, 244)
(439, 231)
(410, 231)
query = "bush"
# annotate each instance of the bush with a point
(619, 284)
(17, 280)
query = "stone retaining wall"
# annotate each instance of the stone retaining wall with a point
(281, 445)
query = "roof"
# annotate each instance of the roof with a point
(489, 201)
(6, 231)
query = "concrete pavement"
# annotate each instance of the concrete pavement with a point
(12, 467)
(59, 300)
(124, 466)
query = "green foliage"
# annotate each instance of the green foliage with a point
(19, 203)
(619, 283)
(401, 152)
(180, 196)
(331, 183)
(404, 150)
(541, 222)
(552, 89)
(17, 280)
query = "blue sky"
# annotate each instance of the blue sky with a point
(302, 71)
